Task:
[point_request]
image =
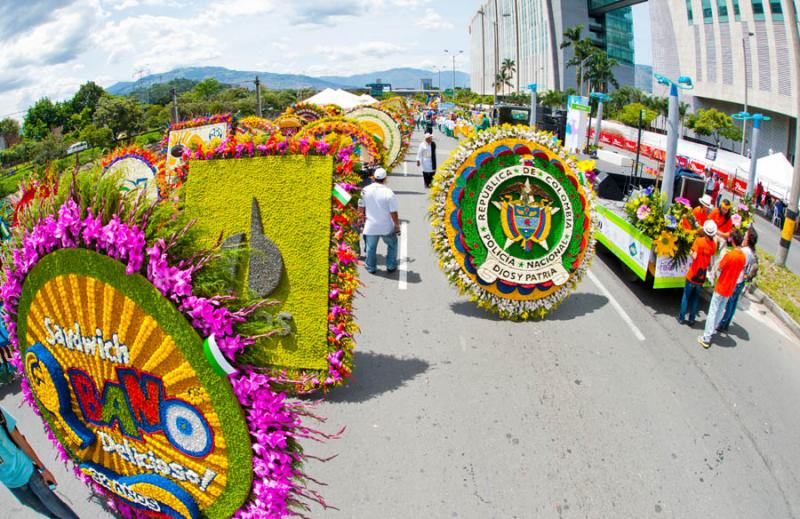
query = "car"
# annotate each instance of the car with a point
(77, 147)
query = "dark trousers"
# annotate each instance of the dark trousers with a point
(427, 176)
(690, 301)
(36, 495)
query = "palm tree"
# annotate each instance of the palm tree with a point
(600, 71)
(582, 48)
(509, 67)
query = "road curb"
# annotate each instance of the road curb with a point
(759, 296)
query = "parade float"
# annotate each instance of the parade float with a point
(185, 134)
(513, 222)
(131, 334)
(136, 169)
(653, 240)
(308, 112)
(289, 124)
(384, 128)
(340, 132)
(256, 126)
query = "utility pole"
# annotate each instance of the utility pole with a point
(454, 55)
(533, 87)
(258, 97)
(790, 221)
(744, 121)
(673, 123)
(174, 93)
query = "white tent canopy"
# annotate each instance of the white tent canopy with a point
(341, 98)
(775, 174)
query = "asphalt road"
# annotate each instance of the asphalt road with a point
(452, 413)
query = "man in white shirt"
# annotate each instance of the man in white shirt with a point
(426, 158)
(378, 204)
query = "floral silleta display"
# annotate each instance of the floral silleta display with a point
(123, 327)
(512, 221)
(673, 230)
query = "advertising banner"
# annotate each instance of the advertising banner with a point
(577, 123)
(624, 240)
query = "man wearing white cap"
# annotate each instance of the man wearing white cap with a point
(378, 204)
(703, 249)
(426, 157)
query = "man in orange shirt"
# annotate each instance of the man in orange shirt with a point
(730, 267)
(722, 217)
(700, 212)
(702, 250)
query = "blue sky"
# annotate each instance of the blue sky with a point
(50, 47)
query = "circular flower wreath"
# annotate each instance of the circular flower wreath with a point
(343, 280)
(330, 128)
(155, 243)
(256, 126)
(289, 124)
(404, 120)
(391, 138)
(309, 112)
(455, 236)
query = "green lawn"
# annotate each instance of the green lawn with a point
(779, 283)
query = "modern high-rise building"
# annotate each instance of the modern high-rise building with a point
(737, 52)
(531, 32)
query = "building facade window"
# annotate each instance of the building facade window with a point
(777, 10)
(689, 12)
(708, 12)
(722, 10)
(737, 15)
(758, 10)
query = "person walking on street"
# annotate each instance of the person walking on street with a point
(731, 265)
(747, 275)
(378, 207)
(426, 158)
(23, 473)
(703, 249)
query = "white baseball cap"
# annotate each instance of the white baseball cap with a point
(379, 174)
(710, 228)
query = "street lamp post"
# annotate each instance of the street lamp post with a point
(454, 55)
(532, 121)
(744, 121)
(601, 99)
(683, 83)
(757, 118)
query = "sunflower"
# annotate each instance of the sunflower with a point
(666, 244)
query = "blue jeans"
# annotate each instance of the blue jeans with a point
(715, 311)
(730, 308)
(690, 301)
(36, 495)
(391, 251)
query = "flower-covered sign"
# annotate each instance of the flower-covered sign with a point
(114, 368)
(137, 168)
(513, 222)
(190, 134)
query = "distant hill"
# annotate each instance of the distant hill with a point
(398, 78)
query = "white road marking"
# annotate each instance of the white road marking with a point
(402, 282)
(618, 307)
(405, 169)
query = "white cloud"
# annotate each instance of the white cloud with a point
(410, 3)
(315, 12)
(432, 21)
(369, 49)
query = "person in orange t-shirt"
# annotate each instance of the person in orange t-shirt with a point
(731, 265)
(700, 212)
(703, 249)
(722, 217)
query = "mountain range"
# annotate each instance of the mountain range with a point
(397, 77)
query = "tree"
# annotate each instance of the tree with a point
(712, 122)
(600, 71)
(630, 115)
(581, 48)
(207, 88)
(510, 68)
(120, 114)
(553, 99)
(51, 148)
(86, 98)
(9, 128)
(97, 137)
(42, 117)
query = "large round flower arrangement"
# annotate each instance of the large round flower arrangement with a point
(256, 126)
(154, 246)
(384, 128)
(138, 167)
(309, 112)
(512, 222)
(340, 132)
